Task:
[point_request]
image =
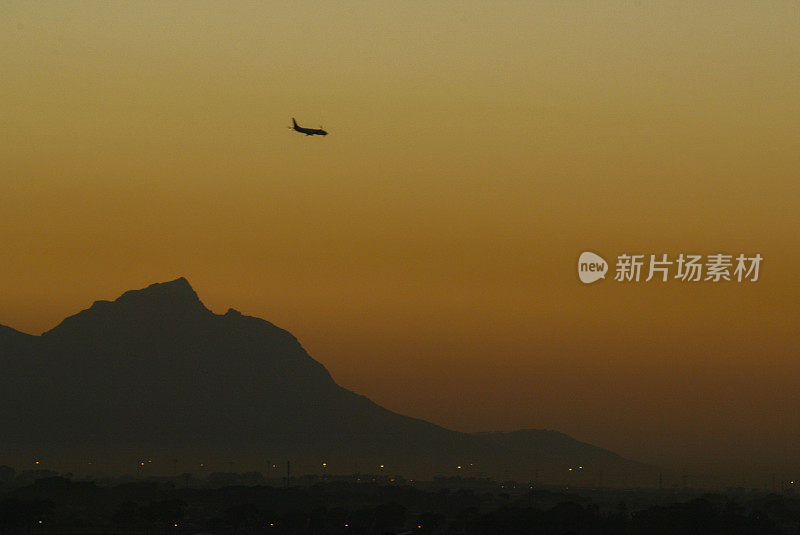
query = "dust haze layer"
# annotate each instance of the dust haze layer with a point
(157, 374)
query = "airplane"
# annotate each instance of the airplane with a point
(308, 131)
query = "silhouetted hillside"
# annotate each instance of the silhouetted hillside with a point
(12, 340)
(156, 374)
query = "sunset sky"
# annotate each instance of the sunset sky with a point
(425, 251)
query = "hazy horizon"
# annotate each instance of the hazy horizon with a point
(427, 246)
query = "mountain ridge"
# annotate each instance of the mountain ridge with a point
(155, 370)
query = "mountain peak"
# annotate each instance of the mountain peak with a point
(161, 303)
(177, 286)
(172, 297)
(174, 291)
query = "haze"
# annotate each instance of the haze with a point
(425, 250)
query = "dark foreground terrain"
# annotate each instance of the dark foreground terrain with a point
(226, 503)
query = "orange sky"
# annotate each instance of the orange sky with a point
(425, 251)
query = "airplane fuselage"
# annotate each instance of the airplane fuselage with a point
(308, 131)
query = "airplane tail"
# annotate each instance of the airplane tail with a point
(294, 122)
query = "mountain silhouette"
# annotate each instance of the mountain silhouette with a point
(155, 374)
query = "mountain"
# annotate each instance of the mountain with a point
(156, 375)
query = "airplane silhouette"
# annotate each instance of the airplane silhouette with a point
(308, 131)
